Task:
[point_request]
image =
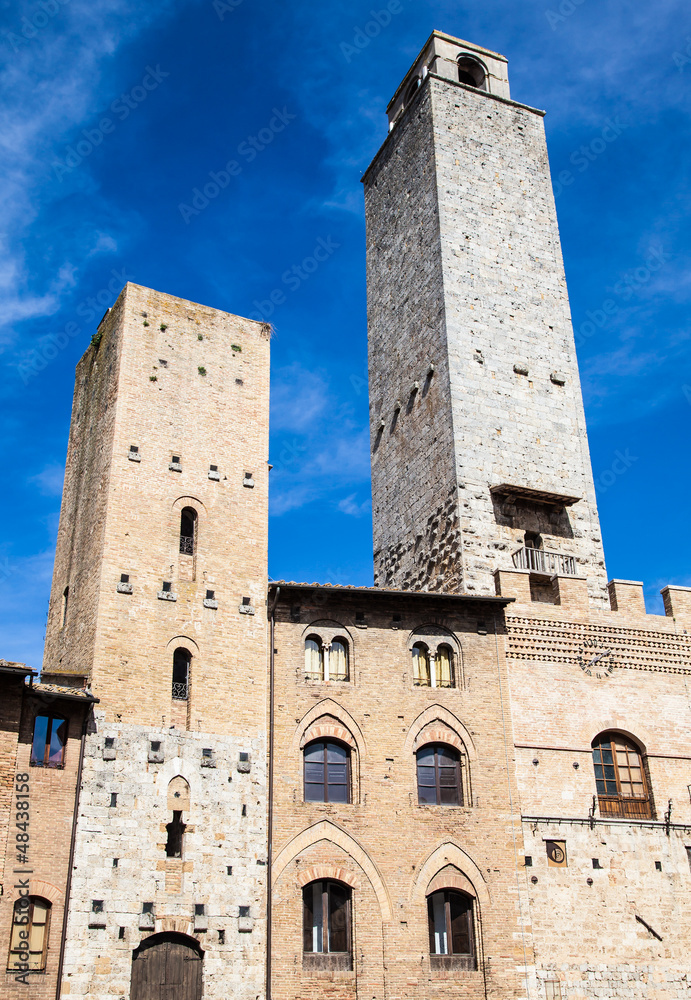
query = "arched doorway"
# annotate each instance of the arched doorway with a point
(167, 967)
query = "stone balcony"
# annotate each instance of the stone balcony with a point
(545, 562)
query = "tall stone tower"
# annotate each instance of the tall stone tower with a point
(480, 456)
(159, 603)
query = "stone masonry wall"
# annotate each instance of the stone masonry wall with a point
(465, 273)
(416, 524)
(507, 305)
(226, 829)
(383, 844)
(586, 933)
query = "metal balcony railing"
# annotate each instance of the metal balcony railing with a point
(544, 561)
(179, 691)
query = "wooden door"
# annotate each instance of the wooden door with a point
(167, 967)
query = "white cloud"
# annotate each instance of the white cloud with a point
(348, 505)
(50, 479)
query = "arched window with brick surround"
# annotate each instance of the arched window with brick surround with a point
(182, 659)
(188, 530)
(327, 771)
(29, 937)
(439, 775)
(620, 778)
(327, 657)
(326, 925)
(436, 657)
(451, 923)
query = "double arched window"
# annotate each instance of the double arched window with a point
(29, 939)
(327, 772)
(50, 737)
(433, 667)
(451, 930)
(620, 778)
(439, 775)
(326, 661)
(326, 925)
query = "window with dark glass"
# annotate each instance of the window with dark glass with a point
(50, 736)
(451, 929)
(29, 938)
(326, 919)
(327, 767)
(181, 673)
(439, 776)
(188, 530)
(620, 779)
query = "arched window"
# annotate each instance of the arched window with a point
(439, 776)
(188, 530)
(451, 930)
(421, 673)
(314, 659)
(181, 673)
(471, 73)
(443, 667)
(327, 772)
(326, 924)
(622, 787)
(50, 736)
(412, 89)
(338, 660)
(29, 939)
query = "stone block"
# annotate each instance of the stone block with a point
(513, 583)
(627, 596)
(677, 602)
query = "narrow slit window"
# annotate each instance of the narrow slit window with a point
(176, 830)
(181, 674)
(65, 602)
(188, 530)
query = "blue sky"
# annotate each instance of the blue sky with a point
(185, 86)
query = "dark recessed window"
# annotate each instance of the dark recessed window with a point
(210, 594)
(199, 909)
(327, 767)
(326, 919)
(188, 526)
(175, 459)
(181, 673)
(243, 911)
(439, 776)
(213, 468)
(124, 578)
(50, 737)
(176, 830)
(471, 73)
(113, 799)
(65, 602)
(97, 906)
(165, 586)
(451, 929)
(620, 779)
(155, 746)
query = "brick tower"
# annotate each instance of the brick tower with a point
(480, 456)
(159, 604)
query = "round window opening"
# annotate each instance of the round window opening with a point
(471, 73)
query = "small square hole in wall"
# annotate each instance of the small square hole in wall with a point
(528, 861)
(121, 934)
(246, 602)
(658, 866)
(210, 594)
(115, 862)
(124, 578)
(244, 755)
(161, 361)
(113, 799)
(176, 459)
(155, 746)
(165, 586)
(221, 936)
(596, 863)
(134, 449)
(213, 468)
(207, 752)
(110, 742)
(359, 616)
(199, 909)
(244, 911)
(229, 869)
(238, 381)
(97, 906)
